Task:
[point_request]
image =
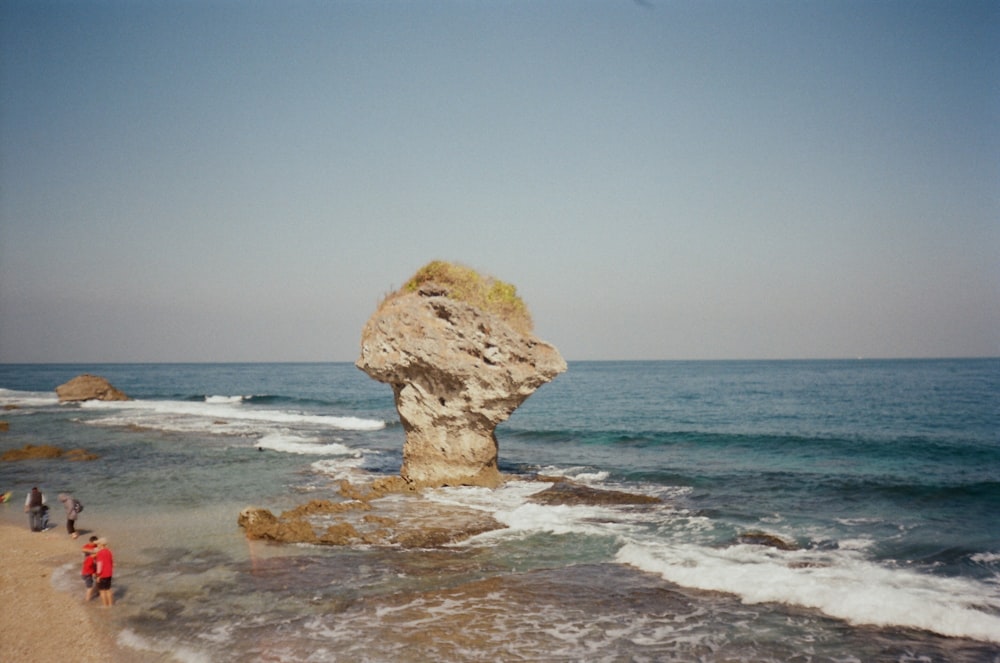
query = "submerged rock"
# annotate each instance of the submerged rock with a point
(88, 387)
(567, 492)
(458, 352)
(46, 451)
(758, 538)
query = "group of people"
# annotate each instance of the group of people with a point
(38, 511)
(97, 571)
(98, 562)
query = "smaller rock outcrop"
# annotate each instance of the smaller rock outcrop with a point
(565, 492)
(88, 387)
(758, 538)
(363, 520)
(44, 452)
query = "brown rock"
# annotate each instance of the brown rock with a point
(4, 426)
(45, 451)
(324, 508)
(407, 523)
(262, 524)
(456, 371)
(88, 387)
(567, 492)
(340, 534)
(31, 452)
(255, 520)
(758, 538)
(80, 455)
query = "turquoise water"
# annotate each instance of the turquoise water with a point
(884, 474)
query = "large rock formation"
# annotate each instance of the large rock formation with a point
(88, 387)
(459, 354)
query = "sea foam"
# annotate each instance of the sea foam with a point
(20, 399)
(167, 646)
(304, 446)
(189, 416)
(225, 399)
(840, 584)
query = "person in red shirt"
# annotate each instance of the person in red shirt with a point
(105, 569)
(89, 568)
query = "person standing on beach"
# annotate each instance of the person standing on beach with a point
(89, 569)
(105, 568)
(72, 511)
(33, 506)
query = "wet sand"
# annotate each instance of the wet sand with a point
(38, 622)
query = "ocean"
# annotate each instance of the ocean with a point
(879, 478)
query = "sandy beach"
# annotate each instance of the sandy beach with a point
(40, 623)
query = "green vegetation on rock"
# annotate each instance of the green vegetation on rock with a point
(467, 285)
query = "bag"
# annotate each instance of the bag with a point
(77, 506)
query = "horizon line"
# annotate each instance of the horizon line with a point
(347, 361)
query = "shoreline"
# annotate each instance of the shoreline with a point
(39, 622)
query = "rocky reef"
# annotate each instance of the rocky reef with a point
(457, 349)
(362, 519)
(46, 451)
(360, 516)
(88, 387)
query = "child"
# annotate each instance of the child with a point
(89, 569)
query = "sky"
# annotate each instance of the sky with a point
(215, 181)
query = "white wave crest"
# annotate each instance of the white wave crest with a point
(340, 468)
(579, 474)
(16, 399)
(294, 444)
(225, 399)
(192, 416)
(507, 497)
(168, 646)
(511, 506)
(842, 585)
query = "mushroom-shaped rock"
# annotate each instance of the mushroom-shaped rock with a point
(88, 387)
(458, 351)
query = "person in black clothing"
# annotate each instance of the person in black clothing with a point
(34, 505)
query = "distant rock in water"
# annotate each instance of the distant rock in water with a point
(458, 351)
(46, 451)
(758, 538)
(88, 387)
(564, 492)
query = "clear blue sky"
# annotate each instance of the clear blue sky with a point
(244, 181)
